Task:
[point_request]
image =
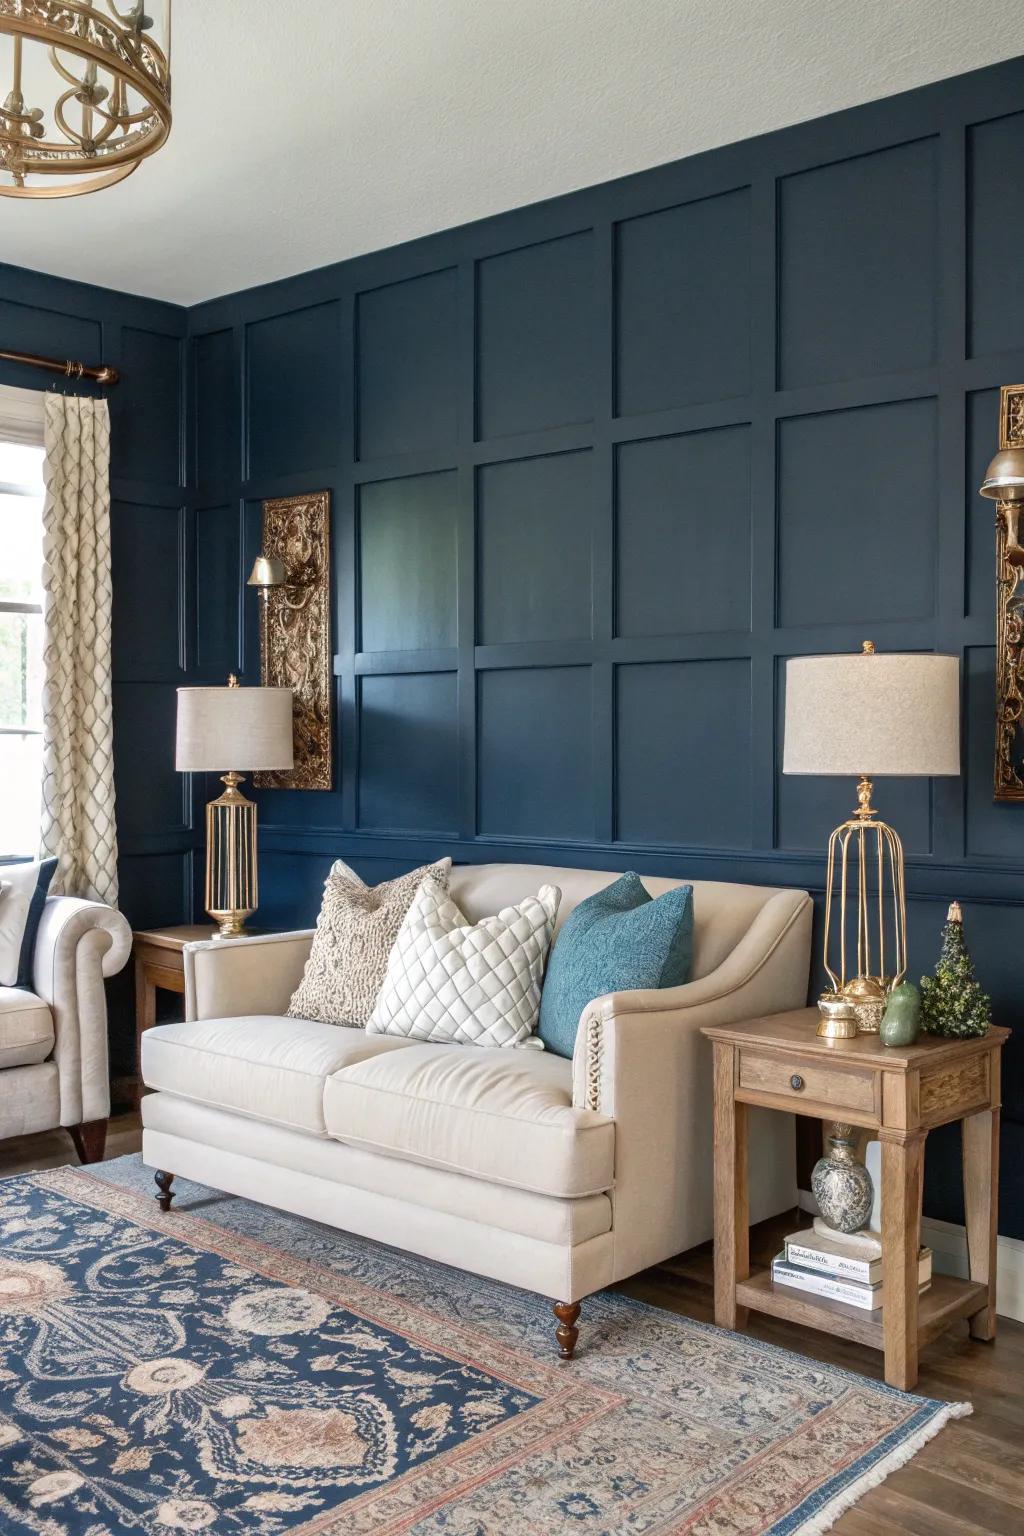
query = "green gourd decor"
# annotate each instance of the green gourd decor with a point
(901, 1022)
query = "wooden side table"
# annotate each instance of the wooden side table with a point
(898, 1095)
(159, 962)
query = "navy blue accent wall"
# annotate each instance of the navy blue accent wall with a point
(145, 340)
(599, 466)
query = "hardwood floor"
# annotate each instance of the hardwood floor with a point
(969, 1481)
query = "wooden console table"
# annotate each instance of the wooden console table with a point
(159, 963)
(898, 1095)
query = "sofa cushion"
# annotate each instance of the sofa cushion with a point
(26, 1028)
(21, 906)
(504, 1116)
(355, 933)
(271, 1068)
(620, 939)
(466, 983)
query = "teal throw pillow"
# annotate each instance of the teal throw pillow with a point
(618, 940)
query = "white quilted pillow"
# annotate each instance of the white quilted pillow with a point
(454, 982)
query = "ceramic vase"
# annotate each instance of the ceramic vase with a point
(842, 1185)
(901, 1022)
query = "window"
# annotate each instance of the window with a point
(21, 645)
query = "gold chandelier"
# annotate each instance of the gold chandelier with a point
(89, 96)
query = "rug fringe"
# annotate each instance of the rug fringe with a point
(898, 1457)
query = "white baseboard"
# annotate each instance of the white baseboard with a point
(948, 1243)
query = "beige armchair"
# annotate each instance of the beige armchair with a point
(53, 1040)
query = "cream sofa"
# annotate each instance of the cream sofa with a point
(558, 1176)
(53, 1040)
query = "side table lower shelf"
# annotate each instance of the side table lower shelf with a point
(946, 1299)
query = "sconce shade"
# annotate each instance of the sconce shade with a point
(233, 729)
(267, 571)
(872, 714)
(1004, 478)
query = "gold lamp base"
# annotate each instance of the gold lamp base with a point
(232, 886)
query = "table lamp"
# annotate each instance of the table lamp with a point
(864, 715)
(250, 728)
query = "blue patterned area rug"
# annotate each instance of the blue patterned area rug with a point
(231, 1369)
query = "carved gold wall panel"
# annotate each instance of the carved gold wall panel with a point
(1009, 764)
(295, 633)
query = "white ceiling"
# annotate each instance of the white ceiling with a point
(307, 131)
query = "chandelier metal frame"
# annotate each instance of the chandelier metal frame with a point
(99, 55)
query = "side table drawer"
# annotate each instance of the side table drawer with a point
(838, 1088)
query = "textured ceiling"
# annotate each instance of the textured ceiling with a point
(309, 132)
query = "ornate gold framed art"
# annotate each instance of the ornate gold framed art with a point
(1004, 483)
(295, 633)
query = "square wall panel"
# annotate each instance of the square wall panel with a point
(216, 414)
(145, 567)
(995, 232)
(146, 409)
(534, 761)
(858, 498)
(219, 582)
(982, 444)
(683, 534)
(408, 752)
(293, 367)
(534, 549)
(407, 563)
(153, 889)
(150, 793)
(27, 329)
(407, 347)
(857, 266)
(682, 747)
(683, 305)
(536, 322)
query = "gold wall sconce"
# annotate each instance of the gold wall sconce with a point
(1004, 484)
(293, 578)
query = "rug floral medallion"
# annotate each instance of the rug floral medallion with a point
(168, 1373)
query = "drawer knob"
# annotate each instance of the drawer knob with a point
(796, 1082)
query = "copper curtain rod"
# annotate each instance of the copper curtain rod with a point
(70, 370)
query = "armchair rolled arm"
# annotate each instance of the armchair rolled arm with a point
(78, 944)
(225, 978)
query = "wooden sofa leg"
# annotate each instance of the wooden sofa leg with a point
(566, 1333)
(89, 1138)
(163, 1182)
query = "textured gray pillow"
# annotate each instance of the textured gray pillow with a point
(355, 932)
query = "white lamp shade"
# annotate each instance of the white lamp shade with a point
(232, 730)
(872, 714)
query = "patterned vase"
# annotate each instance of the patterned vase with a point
(841, 1185)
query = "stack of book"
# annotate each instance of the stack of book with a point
(841, 1267)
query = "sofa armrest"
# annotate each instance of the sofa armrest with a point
(640, 1058)
(77, 945)
(225, 978)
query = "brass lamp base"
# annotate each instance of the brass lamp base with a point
(232, 886)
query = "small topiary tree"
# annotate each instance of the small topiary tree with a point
(952, 1002)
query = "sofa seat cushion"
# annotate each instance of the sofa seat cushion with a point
(26, 1028)
(269, 1067)
(505, 1116)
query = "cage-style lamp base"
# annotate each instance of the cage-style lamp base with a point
(232, 881)
(859, 847)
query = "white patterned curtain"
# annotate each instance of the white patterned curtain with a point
(78, 744)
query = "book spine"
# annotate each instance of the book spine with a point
(823, 1285)
(830, 1263)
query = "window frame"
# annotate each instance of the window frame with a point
(10, 605)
